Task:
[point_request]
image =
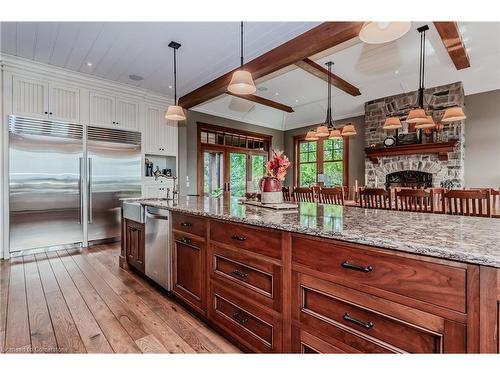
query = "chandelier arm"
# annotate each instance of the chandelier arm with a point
(175, 76)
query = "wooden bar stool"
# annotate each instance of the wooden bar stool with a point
(287, 196)
(375, 198)
(333, 195)
(303, 194)
(414, 200)
(467, 203)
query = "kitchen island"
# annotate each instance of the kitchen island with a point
(326, 278)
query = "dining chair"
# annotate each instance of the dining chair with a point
(287, 197)
(467, 202)
(375, 198)
(303, 194)
(333, 195)
(437, 194)
(414, 200)
(495, 199)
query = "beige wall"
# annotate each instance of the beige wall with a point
(356, 150)
(482, 140)
(188, 147)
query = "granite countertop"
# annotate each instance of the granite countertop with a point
(467, 239)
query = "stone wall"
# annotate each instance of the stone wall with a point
(448, 173)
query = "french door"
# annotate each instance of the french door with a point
(232, 171)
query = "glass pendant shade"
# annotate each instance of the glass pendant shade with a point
(335, 134)
(175, 113)
(426, 124)
(416, 115)
(322, 131)
(311, 136)
(454, 114)
(348, 130)
(392, 123)
(242, 83)
(383, 32)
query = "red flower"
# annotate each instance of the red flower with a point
(277, 166)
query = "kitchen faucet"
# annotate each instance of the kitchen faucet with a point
(175, 193)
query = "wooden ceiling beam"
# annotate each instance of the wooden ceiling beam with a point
(317, 70)
(452, 40)
(319, 38)
(264, 101)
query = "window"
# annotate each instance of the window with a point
(321, 162)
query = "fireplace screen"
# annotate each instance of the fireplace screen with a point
(414, 179)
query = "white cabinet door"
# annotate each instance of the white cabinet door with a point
(152, 130)
(64, 103)
(155, 191)
(170, 129)
(29, 97)
(102, 110)
(127, 114)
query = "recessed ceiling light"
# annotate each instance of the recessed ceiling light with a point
(89, 64)
(296, 100)
(396, 72)
(276, 93)
(169, 86)
(135, 77)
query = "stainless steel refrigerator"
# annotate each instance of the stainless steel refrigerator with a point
(66, 181)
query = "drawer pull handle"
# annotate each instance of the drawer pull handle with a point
(366, 325)
(366, 269)
(238, 238)
(186, 225)
(240, 319)
(185, 240)
(239, 273)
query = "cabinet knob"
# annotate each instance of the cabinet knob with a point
(50, 113)
(46, 112)
(114, 122)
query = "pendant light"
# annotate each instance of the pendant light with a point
(453, 114)
(175, 112)
(348, 130)
(418, 115)
(426, 124)
(242, 81)
(392, 123)
(311, 136)
(383, 32)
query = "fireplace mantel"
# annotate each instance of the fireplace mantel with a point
(439, 148)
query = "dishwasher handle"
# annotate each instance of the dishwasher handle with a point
(155, 216)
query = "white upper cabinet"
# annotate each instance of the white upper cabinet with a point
(40, 99)
(102, 109)
(29, 97)
(160, 135)
(127, 113)
(64, 103)
(113, 111)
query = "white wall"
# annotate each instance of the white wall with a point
(482, 140)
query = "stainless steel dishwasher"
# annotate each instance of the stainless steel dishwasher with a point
(158, 258)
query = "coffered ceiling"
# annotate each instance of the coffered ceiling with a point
(115, 51)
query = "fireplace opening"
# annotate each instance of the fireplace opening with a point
(413, 179)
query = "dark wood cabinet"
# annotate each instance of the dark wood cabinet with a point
(188, 270)
(133, 244)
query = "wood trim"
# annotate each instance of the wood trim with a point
(318, 39)
(226, 129)
(488, 309)
(452, 40)
(264, 101)
(319, 159)
(439, 148)
(318, 71)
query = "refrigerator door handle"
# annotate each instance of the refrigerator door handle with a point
(80, 190)
(89, 179)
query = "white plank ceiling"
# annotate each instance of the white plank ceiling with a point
(210, 49)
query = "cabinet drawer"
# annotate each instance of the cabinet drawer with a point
(364, 329)
(189, 224)
(356, 267)
(251, 326)
(259, 240)
(305, 342)
(252, 277)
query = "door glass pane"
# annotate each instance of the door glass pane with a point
(258, 171)
(333, 172)
(308, 173)
(213, 175)
(237, 174)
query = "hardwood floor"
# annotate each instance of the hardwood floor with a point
(80, 301)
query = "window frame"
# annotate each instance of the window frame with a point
(319, 159)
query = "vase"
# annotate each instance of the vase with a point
(270, 188)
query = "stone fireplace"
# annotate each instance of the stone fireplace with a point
(445, 171)
(414, 179)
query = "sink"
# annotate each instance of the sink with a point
(133, 211)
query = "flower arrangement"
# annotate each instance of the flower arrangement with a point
(277, 166)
